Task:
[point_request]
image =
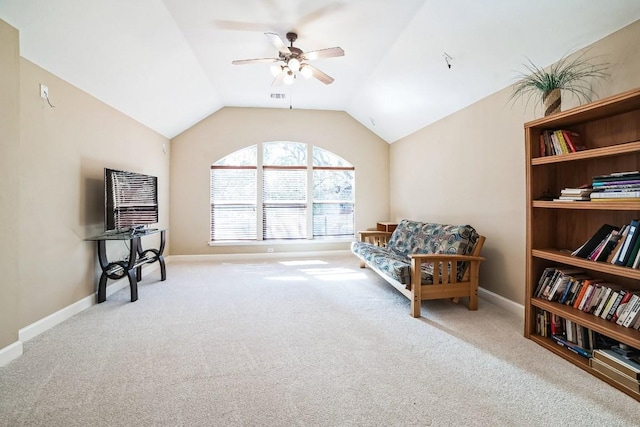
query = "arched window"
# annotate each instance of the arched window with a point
(281, 190)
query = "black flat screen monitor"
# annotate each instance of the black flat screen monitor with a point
(131, 200)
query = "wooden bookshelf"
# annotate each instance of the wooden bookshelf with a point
(610, 129)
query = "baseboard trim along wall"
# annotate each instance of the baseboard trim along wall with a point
(502, 302)
(15, 350)
(10, 352)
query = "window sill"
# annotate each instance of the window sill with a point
(283, 242)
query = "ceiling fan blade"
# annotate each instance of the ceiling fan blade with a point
(330, 52)
(278, 80)
(278, 43)
(323, 77)
(254, 61)
(241, 26)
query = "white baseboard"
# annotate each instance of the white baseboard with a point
(40, 326)
(502, 302)
(10, 352)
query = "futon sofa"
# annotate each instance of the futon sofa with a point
(408, 256)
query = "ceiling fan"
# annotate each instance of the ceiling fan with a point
(292, 60)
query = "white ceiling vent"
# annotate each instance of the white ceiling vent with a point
(278, 95)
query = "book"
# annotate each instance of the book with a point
(616, 251)
(550, 148)
(571, 346)
(609, 246)
(634, 313)
(630, 240)
(632, 183)
(627, 308)
(548, 284)
(561, 283)
(574, 140)
(575, 293)
(623, 308)
(601, 251)
(602, 300)
(634, 252)
(616, 297)
(587, 247)
(636, 263)
(590, 303)
(615, 375)
(592, 289)
(557, 326)
(565, 147)
(544, 279)
(583, 189)
(627, 366)
(617, 176)
(570, 289)
(559, 148)
(614, 194)
(586, 288)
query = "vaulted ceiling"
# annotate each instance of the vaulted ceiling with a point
(167, 63)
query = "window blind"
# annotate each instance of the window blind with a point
(233, 203)
(284, 195)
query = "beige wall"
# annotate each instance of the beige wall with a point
(63, 153)
(231, 129)
(9, 182)
(469, 167)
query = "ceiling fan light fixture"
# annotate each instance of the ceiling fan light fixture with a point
(288, 77)
(275, 70)
(294, 64)
(306, 71)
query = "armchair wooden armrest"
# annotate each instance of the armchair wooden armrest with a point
(445, 267)
(445, 279)
(378, 238)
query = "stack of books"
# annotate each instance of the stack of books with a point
(616, 187)
(622, 367)
(578, 194)
(555, 142)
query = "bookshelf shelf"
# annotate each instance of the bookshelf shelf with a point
(562, 257)
(604, 206)
(548, 343)
(616, 150)
(610, 128)
(617, 332)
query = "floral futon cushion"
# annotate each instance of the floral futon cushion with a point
(413, 237)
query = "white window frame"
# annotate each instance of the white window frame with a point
(260, 167)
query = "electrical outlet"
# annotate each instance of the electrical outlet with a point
(270, 250)
(44, 91)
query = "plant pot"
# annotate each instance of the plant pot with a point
(552, 101)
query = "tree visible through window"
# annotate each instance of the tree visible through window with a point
(288, 192)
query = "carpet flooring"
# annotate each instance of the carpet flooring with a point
(295, 342)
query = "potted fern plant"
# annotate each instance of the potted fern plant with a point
(572, 75)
